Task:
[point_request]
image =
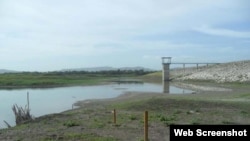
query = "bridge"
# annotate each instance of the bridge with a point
(166, 62)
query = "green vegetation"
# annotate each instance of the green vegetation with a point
(52, 79)
(79, 136)
(71, 124)
(153, 76)
(172, 110)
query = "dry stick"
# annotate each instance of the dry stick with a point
(28, 102)
(7, 124)
(146, 126)
(114, 116)
(21, 114)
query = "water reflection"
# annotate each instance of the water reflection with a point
(166, 86)
(171, 88)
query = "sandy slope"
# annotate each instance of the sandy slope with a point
(227, 72)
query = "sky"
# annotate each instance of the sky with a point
(49, 35)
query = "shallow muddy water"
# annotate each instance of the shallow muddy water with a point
(54, 100)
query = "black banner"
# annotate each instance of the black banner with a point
(212, 132)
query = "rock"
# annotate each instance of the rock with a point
(226, 72)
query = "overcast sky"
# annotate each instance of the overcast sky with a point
(48, 35)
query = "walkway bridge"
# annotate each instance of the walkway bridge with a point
(166, 62)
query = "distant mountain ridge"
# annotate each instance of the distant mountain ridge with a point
(90, 69)
(6, 71)
(108, 69)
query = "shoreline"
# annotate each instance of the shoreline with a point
(75, 100)
(164, 109)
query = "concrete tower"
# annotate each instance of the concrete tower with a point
(166, 61)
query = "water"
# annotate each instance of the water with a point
(54, 100)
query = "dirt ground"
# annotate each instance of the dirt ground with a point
(93, 120)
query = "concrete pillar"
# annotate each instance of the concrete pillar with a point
(165, 72)
(184, 70)
(166, 61)
(166, 86)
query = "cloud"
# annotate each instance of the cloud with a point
(80, 29)
(223, 32)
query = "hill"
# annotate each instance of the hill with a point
(6, 71)
(106, 68)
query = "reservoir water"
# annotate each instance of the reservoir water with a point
(54, 100)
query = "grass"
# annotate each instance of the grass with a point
(33, 80)
(88, 137)
(52, 79)
(153, 77)
(71, 123)
(79, 136)
(170, 110)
